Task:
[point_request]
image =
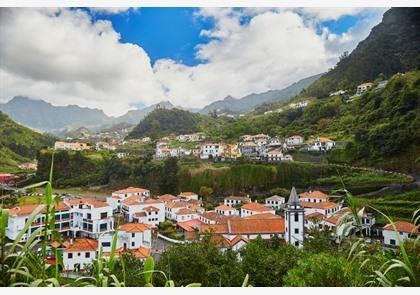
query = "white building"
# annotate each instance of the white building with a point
(339, 92)
(210, 150)
(313, 196)
(188, 196)
(325, 208)
(362, 88)
(294, 140)
(19, 215)
(118, 196)
(255, 208)
(294, 220)
(79, 253)
(71, 146)
(403, 231)
(321, 144)
(183, 211)
(275, 202)
(236, 200)
(143, 209)
(131, 236)
(90, 217)
(225, 210)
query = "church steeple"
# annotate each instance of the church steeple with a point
(294, 220)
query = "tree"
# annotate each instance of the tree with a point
(169, 176)
(205, 192)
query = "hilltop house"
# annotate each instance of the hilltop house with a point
(362, 88)
(71, 146)
(294, 140)
(79, 253)
(275, 202)
(210, 150)
(321, 144)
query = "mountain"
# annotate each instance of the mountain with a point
(44, 116)
(18, 143)
(247, 103)
(391, 47)
(135, 116)
(162, 122)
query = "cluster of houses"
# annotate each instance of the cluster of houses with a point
(361, 89)
(88, 225)
(260, 147)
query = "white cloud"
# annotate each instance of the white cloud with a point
(64, 57)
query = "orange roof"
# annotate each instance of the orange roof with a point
(335, 217)
(142, 252)
(262, 216)
(315, 215)
(244, 226)
(131, 190)
(256, 207)
(322, 205)
(153, 201)
(134, 227)
(325, 139)
(224, 208)
(190, 225)
(116, 197)
(177, 205)
(87, 201)
(28, 209)
(403, 226)
(237, 239)
(240, 198)
(185, 211)
(275, 198)
(82, 245)
(150, 209)
(140, 214)
(167, 198)
(210, 215)
(314, 195)
(134, 200)
(186, 194)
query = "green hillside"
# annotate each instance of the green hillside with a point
(392, 47)
(18, 144)
(162, 122)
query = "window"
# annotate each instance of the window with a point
(296, 217)
(296, 230)
(87, 254)
(104, 215)
(133, 235)
(70, 255)
(132, 244)
(392, 241)
(106, 244)
(78, 254)
(89, 216)
(296, 243)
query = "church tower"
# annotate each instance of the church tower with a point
(294, 220)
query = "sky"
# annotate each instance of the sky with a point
(118, 59)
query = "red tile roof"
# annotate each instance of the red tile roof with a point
(167, 198)
(239, 198)
(28, 209)
(262, 216)
(322, 205)
(87, 201)
(403, 226)
(134, 200)
(190, 225)
(135, 227)
(224, 208)
(131, 190)
(314, 216)
(275, 198)
(151, 209)
(82, 245)
(256, 207)
(244, 226)
(333, 219)
(314, 195)
(185, 211)
(187, 194)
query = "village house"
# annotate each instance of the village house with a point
(223, 243)
(225, 210)
(102, 145)
(274, 142)
(247, 228)
(275, 202)
(146, 139)
(189, 229)
(313, 220)
(403, 231)
(231, 152)
(299, 105)
(236, 200)
(194, 137)
(19, 215)
(90, 217)
(143, 209)
(71, 146)
(183, 211)
(277, 155)
(325, 208)
(255, 208)
(118, 196)
(188, 196)
(210, 150)
(313, 196)
(362, 88)
(168, 198)
(321, 144)
(121, 155)
(294, 140)
(79, 253)
(249, 148)
(339, 92)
